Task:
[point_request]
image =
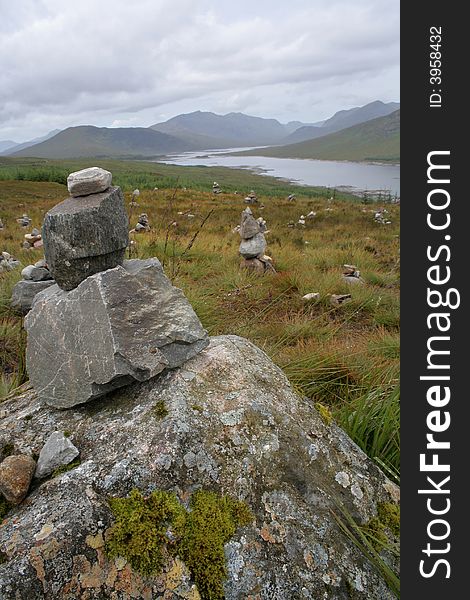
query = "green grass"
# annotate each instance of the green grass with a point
(343, 358)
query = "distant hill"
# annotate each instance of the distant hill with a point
(23, 145)
(342, 120)
(7, 144)
(89, 141)
(225, 131)
(375, 140)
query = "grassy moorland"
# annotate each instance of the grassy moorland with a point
(345, 359)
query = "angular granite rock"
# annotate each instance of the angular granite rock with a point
(249, 226)
(16, 473)
(83, 236)
(124, 324)
(89, 181)
(24, 292)
(56, 452)
(253, 247)
(233, 425)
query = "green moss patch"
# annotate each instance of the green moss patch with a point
(147, 527)
(387, 520)
(160, 410)
(65, 468)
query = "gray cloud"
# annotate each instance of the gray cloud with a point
(113, 62)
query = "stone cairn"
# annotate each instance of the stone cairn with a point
(135, 195)
(352, 275)
(106, 322)
(24, 220)
(216, 188)
(32, 240)
(253, 244)
(301, 223)
(1, 224)
(142, 224)
(35, 279)
(381, 217)
(8, 262)
(251, 198)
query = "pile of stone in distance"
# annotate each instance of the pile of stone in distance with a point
(32, 240)
(351, 274)
(251, 198)
(302, 220)
(107, 322)
(35, 279)
(253, 244)
(135, 195)
(8, 262)
(381, 217)
(24, 221)
(216, 188)
(142, 224)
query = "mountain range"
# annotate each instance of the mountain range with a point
(188, 132)
(374, 140)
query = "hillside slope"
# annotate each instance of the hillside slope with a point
(375, 140)
(342, 120)
(89, 141)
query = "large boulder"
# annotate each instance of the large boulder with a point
(227, 421)
(25, 291)
(124, 324)
(85, 235)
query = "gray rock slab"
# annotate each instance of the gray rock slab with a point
(124, 324)
(89, 181)
(251, 437)
(56, 452)
(24, 293)
(249, 226)
(83, 236)
(253, 247)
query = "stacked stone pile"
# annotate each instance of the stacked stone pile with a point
(251, 198)
(142, 224)
(24, 220)
(135, 195)
(216, 188)
(8, 262)
(351, 274)
(32, 240)
(35, 279)
(106, 322)
(253, 244)
(381, 217)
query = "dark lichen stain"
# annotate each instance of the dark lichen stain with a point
(7, 450)
(4, 507)
(160, 409)
(145, 527)
(3, 558)
(65, 468)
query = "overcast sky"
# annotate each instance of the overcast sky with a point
(134, 63)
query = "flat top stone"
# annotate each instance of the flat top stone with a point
(89, 181)
(71, 206)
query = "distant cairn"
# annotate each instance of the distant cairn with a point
(253, 244)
